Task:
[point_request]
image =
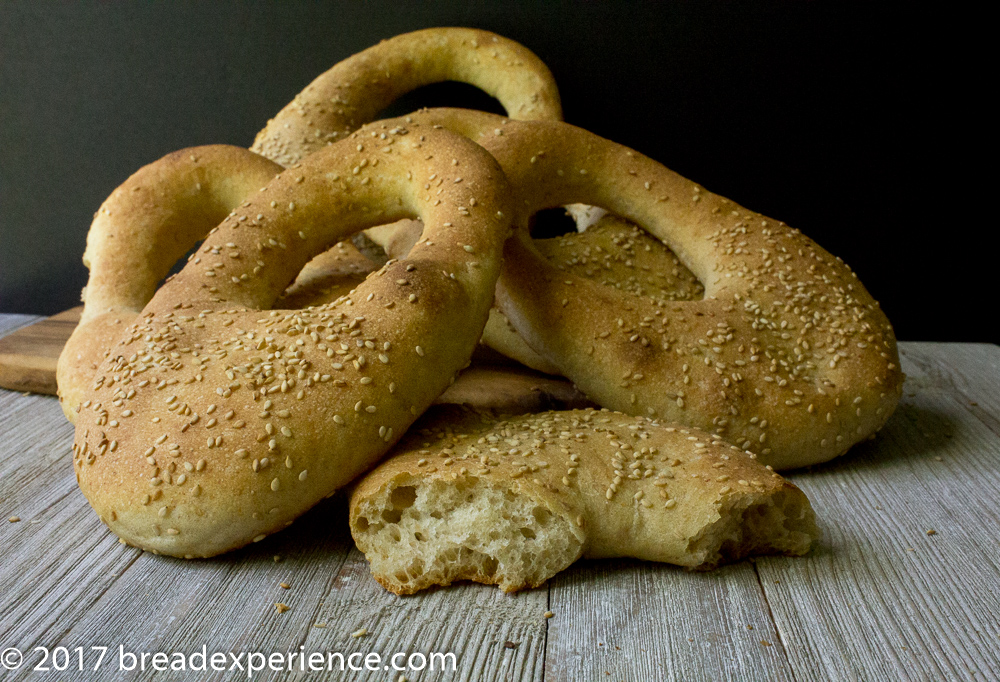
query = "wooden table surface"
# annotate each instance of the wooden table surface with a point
(905, 584)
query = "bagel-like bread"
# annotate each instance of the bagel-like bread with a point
(215, 421)
(512, 503)
(147, 224)
(787, 354)
(356, 89)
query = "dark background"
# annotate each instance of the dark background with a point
(840, 119)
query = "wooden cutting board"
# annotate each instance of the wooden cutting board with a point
(28, 359)
(28, 356)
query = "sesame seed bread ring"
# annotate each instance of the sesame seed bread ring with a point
(787, 354)
(355, 90)
(512, 503)
(216, 421)
(145, 226)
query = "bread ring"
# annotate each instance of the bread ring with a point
(212, 423)
(355, 90)
(787, 354)
(145, 226)
(514, 502)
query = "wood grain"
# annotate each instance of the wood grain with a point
(970, 371)
(58, 559)
(879, 600)
(28, 356)
(629, 620)
(882, 598)
(494, 636)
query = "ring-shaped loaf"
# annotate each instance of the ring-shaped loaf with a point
(513, 502)
(145, 226)
(355, 90)
(216, 421)
(787, 354)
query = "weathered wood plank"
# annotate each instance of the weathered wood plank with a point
(10, 322)
(863, 606)
(475, 622)
(882, 598)
(58, 558)
(971, 371)
(629, 620)
(226, 603)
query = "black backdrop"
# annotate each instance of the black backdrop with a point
(837, 118)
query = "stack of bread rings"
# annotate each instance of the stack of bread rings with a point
(690, 347)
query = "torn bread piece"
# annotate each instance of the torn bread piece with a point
(513, 502)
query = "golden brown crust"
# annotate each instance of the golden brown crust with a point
(618, 254)
(355, 90)
(787, 354)
(500, 335)
(145, 226)
(216, 421)
(601, 484)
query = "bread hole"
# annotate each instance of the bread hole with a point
(435, 514)
(551, 222)
(490, 566)
(402, 497)
(402, 576)
(444, 94)
(394, 533)
(361, 524)
(391, 515)
(419, 536)
(181, 262)
(528, 533)
(543, 516)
